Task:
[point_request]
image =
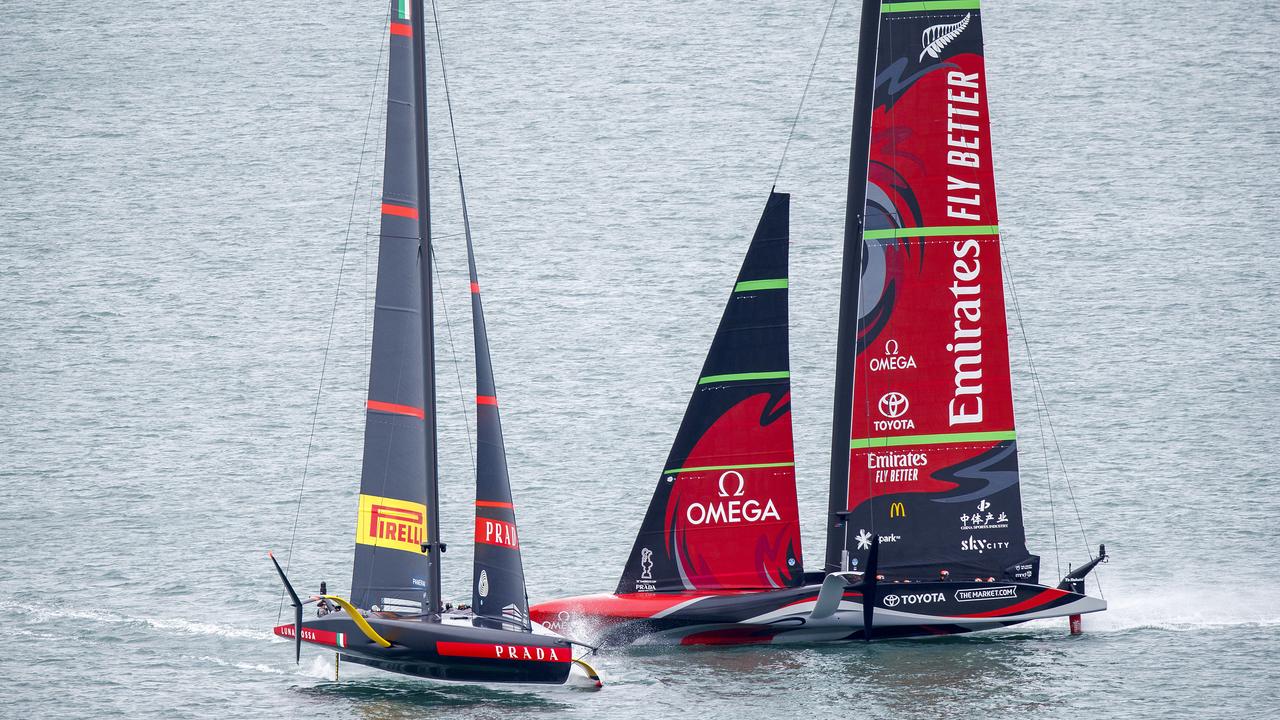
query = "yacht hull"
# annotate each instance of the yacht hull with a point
(902, 610)
(454, 649)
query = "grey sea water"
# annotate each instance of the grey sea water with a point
(176, 187)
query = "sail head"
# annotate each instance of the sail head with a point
(724, 513)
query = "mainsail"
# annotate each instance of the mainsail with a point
(497, 587)
(724, 514)
(391, 569)
(931, 464)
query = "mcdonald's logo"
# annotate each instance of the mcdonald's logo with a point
(897, 510)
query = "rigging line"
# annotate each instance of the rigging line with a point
(1044, 447)
(378, 169)
(453, 352)
(462, 198)
(333, 314)
(1053, 434)
(803, 94)
(448, 101)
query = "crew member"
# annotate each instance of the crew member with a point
(324, 607)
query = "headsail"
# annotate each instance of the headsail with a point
(391, 570)
(932, 460)
(497, 583)
(724, 513)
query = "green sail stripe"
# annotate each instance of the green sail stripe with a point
(931, 231)
(402, 10)
(857, 443)
(896, 7)
(738, 377)
(745, 285)
(752, 466)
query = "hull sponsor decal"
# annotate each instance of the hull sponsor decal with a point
(311, 635)
(1002, 592)
(1042, 598)
(496, 651)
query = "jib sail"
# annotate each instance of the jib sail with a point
(391, 571)
(497, 587)
(724, 513)
(932, 463)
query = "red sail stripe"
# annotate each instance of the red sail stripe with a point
(395, 409)
(486, 400)
(1034, 601)
(402, 29)
(400, 211)
(475, 288)
(494, 504)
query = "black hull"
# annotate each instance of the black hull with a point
(454, 650)
(902, 610)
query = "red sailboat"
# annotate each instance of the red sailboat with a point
(924, 528)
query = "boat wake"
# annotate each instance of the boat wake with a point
(1182, 610)
(39, 614)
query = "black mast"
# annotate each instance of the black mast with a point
(850, 277)
(433, 545)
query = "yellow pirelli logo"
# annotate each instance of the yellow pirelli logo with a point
(391, 523)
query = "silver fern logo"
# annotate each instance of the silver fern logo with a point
(937, 37)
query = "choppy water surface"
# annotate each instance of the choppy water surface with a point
(176, 184)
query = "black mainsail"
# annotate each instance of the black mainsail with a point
(392, 570)
(395, 620)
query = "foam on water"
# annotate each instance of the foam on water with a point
(171, 224)
(1187, 610)
(173, 626)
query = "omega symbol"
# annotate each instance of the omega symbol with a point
(742, 484)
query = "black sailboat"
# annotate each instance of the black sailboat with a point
(924, 528)
(395, 619)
